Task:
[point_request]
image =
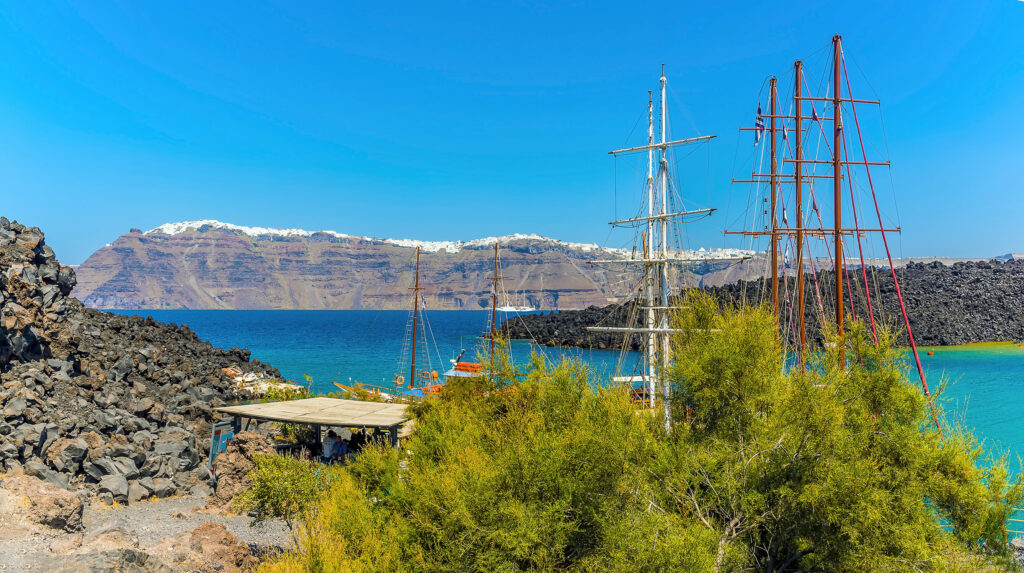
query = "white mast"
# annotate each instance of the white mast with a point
(651, 338)
(663, 266)
(656, 255)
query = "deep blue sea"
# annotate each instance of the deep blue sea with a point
(985, 390)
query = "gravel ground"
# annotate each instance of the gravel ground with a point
(22, 549)
(153, 521)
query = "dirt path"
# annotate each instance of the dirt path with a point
(144, 526)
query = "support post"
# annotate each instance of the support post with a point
(773, 104)
(837, 123)
(494, 307)
(415, 319)
(798, 175)
(663, 266)
(652, 340)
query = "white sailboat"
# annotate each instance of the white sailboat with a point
(510, 306)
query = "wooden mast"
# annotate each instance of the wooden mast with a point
(663, 265)
(772, 105)
(837, 123)
(415, 318)
(494, 306)
(647, 240)
(798, 174)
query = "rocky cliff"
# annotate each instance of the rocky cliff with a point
(974, 301)
(209, 264)
(103, 404)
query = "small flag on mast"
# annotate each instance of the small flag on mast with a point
(785, 132)
(758, 125)
(814, 114)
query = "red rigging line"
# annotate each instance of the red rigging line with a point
(888, 254)
(814, 199)
(817, 213)
(812, 231)
(849, 287)
(817, 288)
(821, 128)
(860, 249)
(791, 324)
(837, 149)
(814, 272)
(789, 305)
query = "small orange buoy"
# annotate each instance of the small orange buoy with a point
(930, 353)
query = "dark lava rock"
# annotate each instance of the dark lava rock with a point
(947, 305)
(115, 485)
(89, 399)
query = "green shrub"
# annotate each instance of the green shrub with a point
(285, 487)
(838, 468)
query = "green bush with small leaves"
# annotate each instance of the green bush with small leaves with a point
(285, 487)
(767, 468)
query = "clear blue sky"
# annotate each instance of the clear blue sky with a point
(455, 121)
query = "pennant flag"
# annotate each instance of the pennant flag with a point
(758, 125)
(814, 114)
(785, 132)
(785, 219)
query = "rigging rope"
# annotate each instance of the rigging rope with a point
(888, 254)
(860, 249)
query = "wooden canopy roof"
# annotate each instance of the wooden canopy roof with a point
(325, 412)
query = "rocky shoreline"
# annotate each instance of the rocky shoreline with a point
(110, 407)
(957, 304)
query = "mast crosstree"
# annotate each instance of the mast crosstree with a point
(842, 105)
(656, 256)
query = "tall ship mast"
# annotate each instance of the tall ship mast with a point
(657, 225)
(822, 164)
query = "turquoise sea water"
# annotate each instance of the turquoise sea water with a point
(359, 345)
(984, 391)
(985, 388)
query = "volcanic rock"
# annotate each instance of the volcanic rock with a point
(234, 465)
(118, 406)
(116, 485)
(972, 301)
(121, 559)
(216, 543)
(42, 503)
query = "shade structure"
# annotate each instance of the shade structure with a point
(324, 412)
